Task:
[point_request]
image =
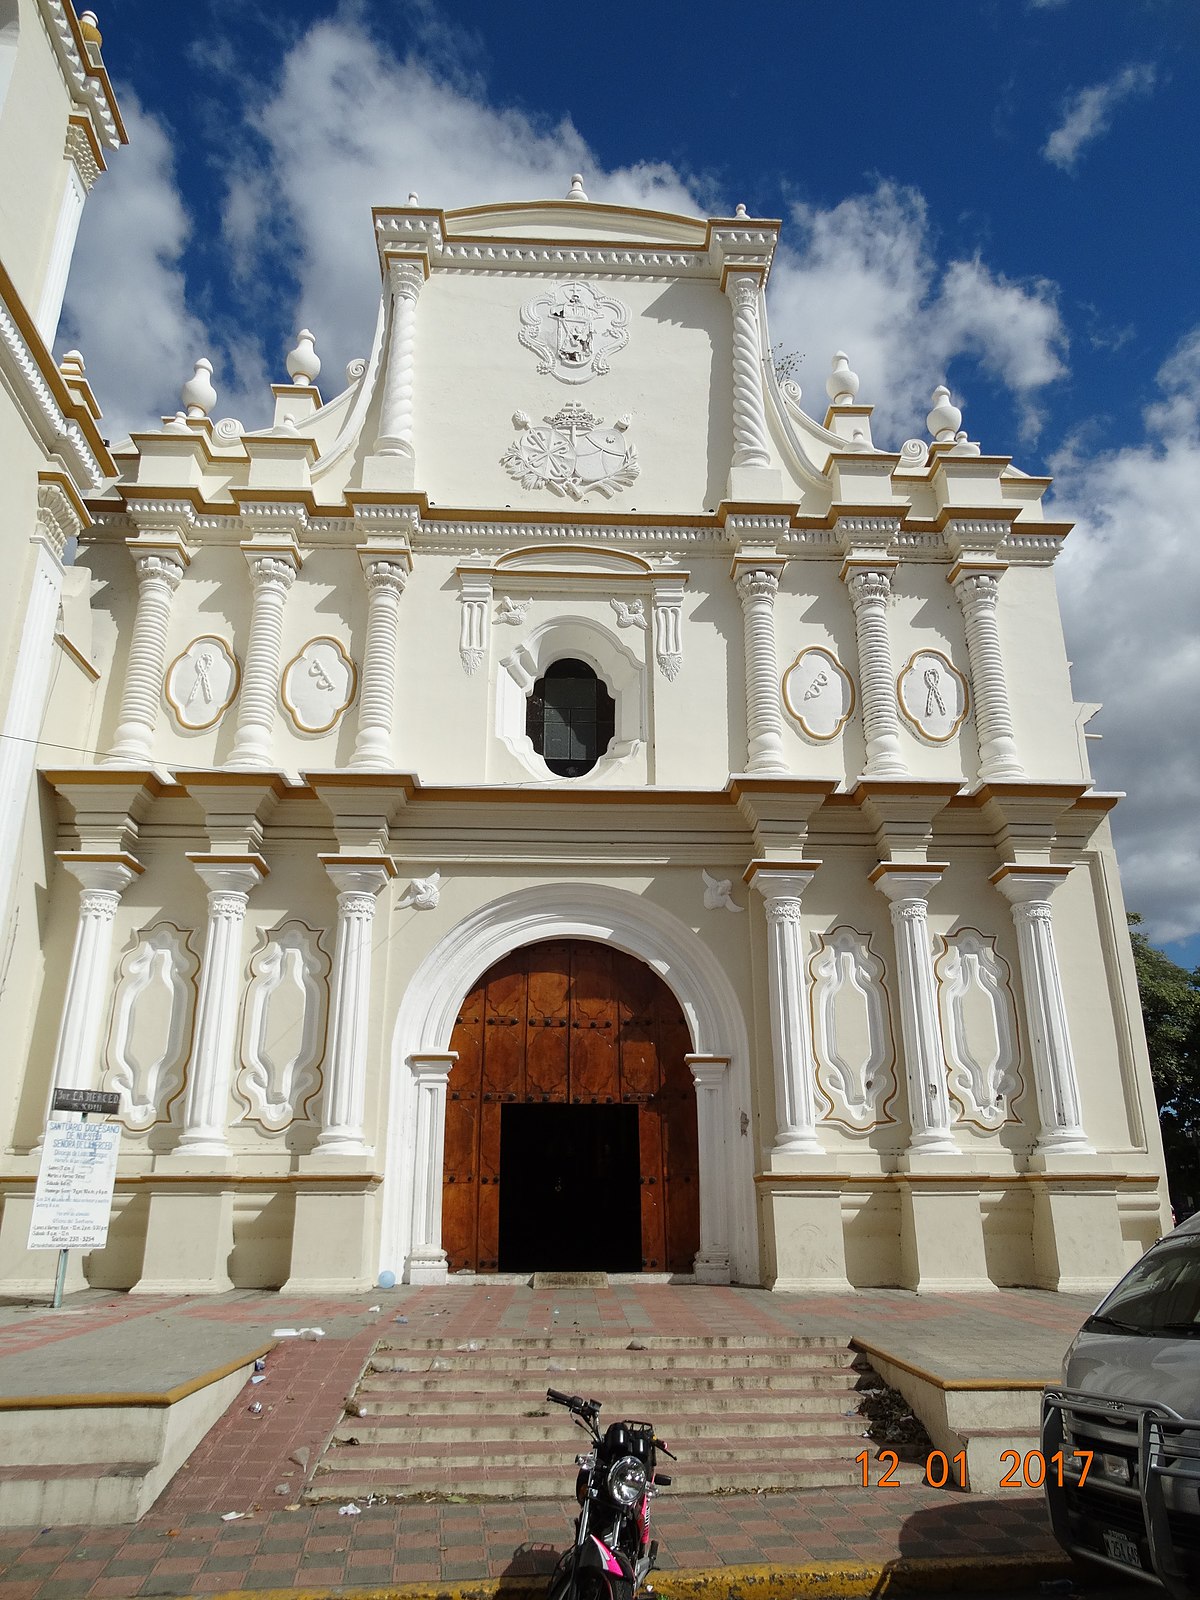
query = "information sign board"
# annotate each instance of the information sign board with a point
(86, 1100)
(73, 1200)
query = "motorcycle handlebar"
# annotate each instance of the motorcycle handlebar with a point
(573, 1402)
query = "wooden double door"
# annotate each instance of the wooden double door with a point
(570, 1118)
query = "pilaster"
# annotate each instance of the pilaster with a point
(393, 465)
(791, 1039)
(710, 1074)
(427, 1260)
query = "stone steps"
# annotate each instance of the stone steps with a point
(470, 1418)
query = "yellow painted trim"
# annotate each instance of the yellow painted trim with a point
(910, 666)
(77, 656)
(178, 710)
(291, 709)
(134, 1397)
(824, 1580)
(973, 1385)
(979, 1180)
(220, 1180)
(819, 650)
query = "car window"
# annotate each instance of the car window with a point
(1161, 1294)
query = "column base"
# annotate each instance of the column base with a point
(428, 1267)
(31, 1272)
(711, 1269)
(189, 1240)
(941, 1239)
(334, 1242)
(755, 483)
(1078, 1247)
(802, 1231)
(391, 471)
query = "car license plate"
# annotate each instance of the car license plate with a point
(1117, 1547)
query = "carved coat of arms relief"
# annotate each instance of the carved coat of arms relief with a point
(573, 330)
(573, 454)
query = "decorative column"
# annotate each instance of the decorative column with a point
(870, 590)
(206, 1101)
(405, 279)
(1028, 891)
(475, 598)
(791, 1039)
(668, 624)
(159, 575)
(358, 880)
(102, 880)
(710, 1074)
(386, 579)
(427, 1259)
(750, 448)
(272, 575)
(764, 720)
(977, 590)
(907, 888)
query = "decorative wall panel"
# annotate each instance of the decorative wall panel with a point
(150, 1034)
(283, 1025)
(852, 1030)
(202, 683)
(318, 685)
(818, 693)
(979, 1028)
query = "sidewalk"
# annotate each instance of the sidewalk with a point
(256, 1464)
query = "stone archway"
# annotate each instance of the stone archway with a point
(571, 1126)
(421, 1061)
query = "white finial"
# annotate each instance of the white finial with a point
(89, 27)
(198, 394)
(575, 192)
(303, 363)
(412, 197)
(177, 423)
(945, 418)
(841, 385)
(741, 211)
(71, 365)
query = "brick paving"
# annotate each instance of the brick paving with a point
(257, 1465)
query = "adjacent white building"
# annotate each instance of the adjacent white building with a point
(557, 801)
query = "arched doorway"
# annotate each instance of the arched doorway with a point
(571, 1134)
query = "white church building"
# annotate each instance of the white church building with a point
(555, 798)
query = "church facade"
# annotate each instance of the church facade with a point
(558, 803)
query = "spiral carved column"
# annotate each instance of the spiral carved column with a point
(159, 576)
(870, 591)
(977, 592)
(396, 417)
(377, 708)
(272, 577)
(764, 721)
(343, 1104)
(750, 445)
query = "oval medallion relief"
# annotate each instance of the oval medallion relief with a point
(318, 685)
(932, 695)
(202, 682)
(819, 693)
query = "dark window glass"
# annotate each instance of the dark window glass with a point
(1161, 1295)
(570, 718)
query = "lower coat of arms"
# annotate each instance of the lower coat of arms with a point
(573, 454)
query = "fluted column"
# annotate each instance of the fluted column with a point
(1055, 1078)
(870, 590)
(210, 1071)
(271, 575)
(929, 1108)
(395, 438)
(358, 882)
(427, 1260)
(764, 720)
(377, 705)
(977, 590)
(159, 575)
(710, 1074)
(750, 447)
(102, 882)
(791, 1037)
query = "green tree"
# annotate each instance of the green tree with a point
(1171, 1011)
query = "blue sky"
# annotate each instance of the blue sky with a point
(999, 194)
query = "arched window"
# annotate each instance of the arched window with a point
(570, 718)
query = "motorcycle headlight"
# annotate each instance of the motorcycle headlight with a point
(627, 1481)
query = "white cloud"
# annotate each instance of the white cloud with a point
(864, 277)
(127, 304)
(1088, 113)
(1129, 580)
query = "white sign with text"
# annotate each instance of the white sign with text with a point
(73, 1200)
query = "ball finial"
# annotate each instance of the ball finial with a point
(575, 192)
(841, 385)
(945, 419)
(89, 27)
(740, 210)
(303, 363)
(198, 394)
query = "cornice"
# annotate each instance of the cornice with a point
(62, 425)
(89, 84)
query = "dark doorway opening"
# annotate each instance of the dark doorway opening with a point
(569, 1189)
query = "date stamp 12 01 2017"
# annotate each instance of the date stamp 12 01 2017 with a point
(1024, 1471)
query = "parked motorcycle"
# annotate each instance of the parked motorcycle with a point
(613, 1553)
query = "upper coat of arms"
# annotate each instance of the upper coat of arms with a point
(574, 330)
(573, 454)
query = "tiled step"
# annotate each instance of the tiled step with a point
(557, 1343)
(467, 1410)
(610, 1386)
(407, 1431)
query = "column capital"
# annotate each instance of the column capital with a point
(1024, 886)
(708, 1072)
(757, 582)
(162, 566)
(100, 874)
(272, 565)
(359, 875)
(229, 874)
(900, 882)
(432, 1066)
(868, 585)
(743, 285)
(387, 572)
(406, 275)
(779, 882)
